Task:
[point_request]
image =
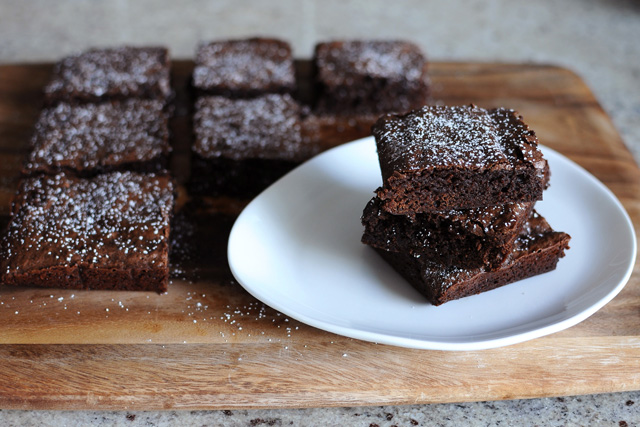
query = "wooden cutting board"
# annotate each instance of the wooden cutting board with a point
(208, 344)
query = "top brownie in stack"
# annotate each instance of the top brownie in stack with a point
(111, 73)
(369, 77)
(244, 68)
(442, 158)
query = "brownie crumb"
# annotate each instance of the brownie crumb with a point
(131, 417)
(227, 412)
(629, 402)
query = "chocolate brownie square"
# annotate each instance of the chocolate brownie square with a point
(536, 251)
(364, 77)
(479, 237)
(441, 158)
(108, 232)
(243, 145)
(111, 73)
(87, 139)
(244, 68)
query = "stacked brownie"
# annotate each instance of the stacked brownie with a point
(94, 207)
(247, 125)
(455, 215)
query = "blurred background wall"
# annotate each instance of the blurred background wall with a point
(598, 39)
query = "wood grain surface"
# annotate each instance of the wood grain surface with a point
(208, 344)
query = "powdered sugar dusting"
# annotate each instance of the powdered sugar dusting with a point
(112, 72)
(252, 64)
(264, 127)
(465, 137)
(89, 136)
(340, 61)
(112, 220)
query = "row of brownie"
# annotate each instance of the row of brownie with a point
(248, 127)
(351, 77)
(89, 213)
(96, 92)
(455, 215)
(102, 226)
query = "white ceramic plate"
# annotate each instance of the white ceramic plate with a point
(297, 248)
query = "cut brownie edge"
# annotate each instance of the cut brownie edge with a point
(93, 278)
(471, 238)
(538, 251)
(441, 190)
(158, 166)
(220, 176)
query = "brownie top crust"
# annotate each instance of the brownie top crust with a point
(94, 136)
(258, 65)
(342, 62)
(121, 72)
(266, 127)
(118, 220)
(466, 137)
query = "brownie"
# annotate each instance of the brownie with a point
(243, 145)
(363, 77)
(244, 68)
(536, 251)
(88, 139)
(479, 237)
(108, 232)
(111, 73)
(441, 158)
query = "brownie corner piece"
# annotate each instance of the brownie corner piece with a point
(87, 139)
(243, 145)
(244, 67)
(370, 76)
(111, 73)
(439, 158)
(537, 250)
(110, 232)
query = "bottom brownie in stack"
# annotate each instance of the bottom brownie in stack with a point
(536, 250)
(108, 232)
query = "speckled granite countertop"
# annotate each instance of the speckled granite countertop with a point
(597, 39)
